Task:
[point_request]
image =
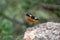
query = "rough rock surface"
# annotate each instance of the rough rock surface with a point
(45, 31)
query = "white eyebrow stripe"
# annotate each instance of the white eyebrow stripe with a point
(30, 15)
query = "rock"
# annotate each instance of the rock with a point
(44, 31)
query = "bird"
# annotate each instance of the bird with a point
(31, 18)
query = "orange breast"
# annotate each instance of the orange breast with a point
(30, 20)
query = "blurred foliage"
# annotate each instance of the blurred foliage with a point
(50, 1)
(12, 11)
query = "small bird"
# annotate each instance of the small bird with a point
(31, 19)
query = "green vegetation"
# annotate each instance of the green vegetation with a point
(12, 16)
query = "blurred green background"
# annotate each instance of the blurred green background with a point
(12, 15)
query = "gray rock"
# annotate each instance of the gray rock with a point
(45, 31)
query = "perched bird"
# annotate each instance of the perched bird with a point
(31, 19)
